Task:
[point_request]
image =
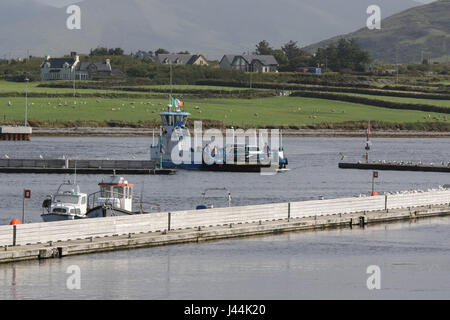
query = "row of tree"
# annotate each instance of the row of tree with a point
(346, 54)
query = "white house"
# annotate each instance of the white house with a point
(59, 68)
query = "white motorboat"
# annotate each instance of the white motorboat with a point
(68, 203)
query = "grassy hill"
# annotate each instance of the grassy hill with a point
(422, 31)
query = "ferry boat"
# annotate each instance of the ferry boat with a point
(68, 203)
(234, 157)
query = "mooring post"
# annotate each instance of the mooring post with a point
(168, 222)
(14, 235)
(23, 207)
(289, 211)
(385, 202)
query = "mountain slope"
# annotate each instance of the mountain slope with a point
(212, 27)
(420, 32)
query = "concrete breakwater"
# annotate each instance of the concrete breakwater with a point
(443, 167)
(58, 239)
(64, 166)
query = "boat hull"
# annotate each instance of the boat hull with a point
(51, 217)
(101, 212)
(217, 167)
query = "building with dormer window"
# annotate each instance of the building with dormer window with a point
(59, 68)
(249, 63)
(182, 59)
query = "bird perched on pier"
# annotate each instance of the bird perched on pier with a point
(342, 155)
(40, 156)
(6, 156)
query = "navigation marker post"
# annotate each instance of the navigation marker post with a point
(26, 195)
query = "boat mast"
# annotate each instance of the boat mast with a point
(367, 142)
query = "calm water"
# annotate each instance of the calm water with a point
(414, 258)
(313, 163)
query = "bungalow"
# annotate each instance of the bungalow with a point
(182, 59)
(249, 63)
(59, 68)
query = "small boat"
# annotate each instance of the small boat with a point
(68, 203)
(115, 198)
(206, 203)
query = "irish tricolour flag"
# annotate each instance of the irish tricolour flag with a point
(177, 103)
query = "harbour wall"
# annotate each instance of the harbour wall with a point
(56, 239)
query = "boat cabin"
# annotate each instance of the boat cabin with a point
(117, 192)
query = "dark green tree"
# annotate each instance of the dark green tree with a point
(161, 51)
(263, 48)
(345, 55)
(291, 50)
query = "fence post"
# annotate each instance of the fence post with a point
(289, 211)
(14, 235)
(385, 202)
(168, 222)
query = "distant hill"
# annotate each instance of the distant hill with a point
(211, 27)
(422, 31)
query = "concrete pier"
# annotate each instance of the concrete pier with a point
(68, 166)
(397, 166)
(15, 133)
(61, 249)
(65, 238)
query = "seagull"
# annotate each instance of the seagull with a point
(6, 156)
(40, 156)
(342, 156)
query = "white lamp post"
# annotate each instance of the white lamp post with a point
(26, 102)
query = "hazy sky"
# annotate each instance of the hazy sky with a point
(58, 3)
(61, 3)
(211, 27)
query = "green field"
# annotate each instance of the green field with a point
(431, 102)
(142, 108)
(275, 111)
